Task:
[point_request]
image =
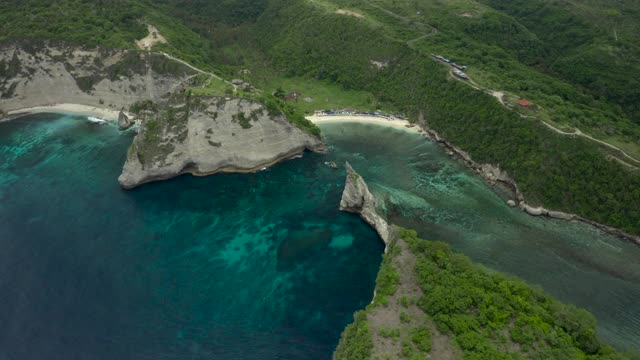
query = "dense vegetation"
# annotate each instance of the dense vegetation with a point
(297, 39)
(492, 316)
(486, 315)
(560, 172)
(580, 40)
(356, 342)
(107, 23)
(553, 53)
(112, 23)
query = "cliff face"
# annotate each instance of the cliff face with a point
(203, 136)
(495, 176)
(356, 198)
(46, 74)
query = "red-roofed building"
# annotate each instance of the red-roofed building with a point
(524, 103)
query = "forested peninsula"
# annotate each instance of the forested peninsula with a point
(432, 302)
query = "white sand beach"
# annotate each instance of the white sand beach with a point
(102, 113)
(395, 123)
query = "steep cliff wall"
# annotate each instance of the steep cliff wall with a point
(497, 177)
(206, 135)
(37, 74)
(357, 198)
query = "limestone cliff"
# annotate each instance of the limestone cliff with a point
(356, 198)
(47, 73)
(495, 176)
(206, 135)
(123, 121)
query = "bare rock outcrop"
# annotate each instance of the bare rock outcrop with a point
(495, 176)
(123, 121)
(48, 73)
(356, 198)
(206, 135)
(533, 211)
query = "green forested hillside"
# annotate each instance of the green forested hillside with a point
(108, 23)
(595, 44)
(484, 315)
(519, 49)
(534, 57)
(559, 172)
(112, 23)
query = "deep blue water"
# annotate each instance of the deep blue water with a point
(255, 266)
(258, 266)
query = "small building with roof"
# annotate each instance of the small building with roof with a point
(524, 103)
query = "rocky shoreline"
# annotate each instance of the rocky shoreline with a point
(203, 136)
(51, 74)
(207, 135)
(228, 169)
(357, 199)
(497, 177)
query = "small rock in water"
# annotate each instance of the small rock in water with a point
(123, 121)
(331, 164)
(511, 203)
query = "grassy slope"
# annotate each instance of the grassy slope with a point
(584, 37)
(110, 23)
(559, 172)
(485, 315)
(504, 54)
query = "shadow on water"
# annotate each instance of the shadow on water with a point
(301, 244)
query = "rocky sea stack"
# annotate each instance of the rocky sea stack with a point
(123, 121)
(356, 198)
(206, 135)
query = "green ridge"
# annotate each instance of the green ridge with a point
(485, 315)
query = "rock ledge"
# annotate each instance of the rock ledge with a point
(203, 136)
(356, 198)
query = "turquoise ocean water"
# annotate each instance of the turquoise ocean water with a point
(257, 266)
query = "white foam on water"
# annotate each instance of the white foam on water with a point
(96, 120)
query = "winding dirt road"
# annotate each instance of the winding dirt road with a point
(498, 95)
(411, 42)
(196, 69)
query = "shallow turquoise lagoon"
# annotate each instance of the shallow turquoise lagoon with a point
(425, 190)
(257, 266)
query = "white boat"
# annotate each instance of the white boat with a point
(96, 120)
